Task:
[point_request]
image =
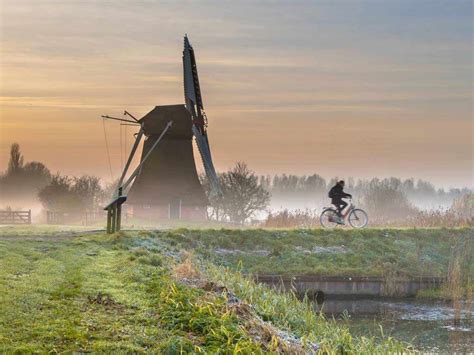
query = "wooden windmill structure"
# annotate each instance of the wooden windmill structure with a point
(165, 184)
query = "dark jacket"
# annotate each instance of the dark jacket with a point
(336, 192)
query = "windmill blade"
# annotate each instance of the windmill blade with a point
(193, 99)
(192, 90)
(203, 147)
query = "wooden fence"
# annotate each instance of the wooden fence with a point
(15, 217)
(85, 218)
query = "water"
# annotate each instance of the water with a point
(428, 326)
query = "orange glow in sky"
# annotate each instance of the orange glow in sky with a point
(341, 88)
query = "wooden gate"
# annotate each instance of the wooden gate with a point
(15, 217)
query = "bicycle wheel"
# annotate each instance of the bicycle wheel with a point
(328, 218)
(358, 218)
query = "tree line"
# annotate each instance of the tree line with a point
(420, 193)
(24, 183)
(21, 183)
(244, 193)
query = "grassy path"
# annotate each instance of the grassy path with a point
(73, 295)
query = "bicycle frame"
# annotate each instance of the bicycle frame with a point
(345, 215)
(349, 208)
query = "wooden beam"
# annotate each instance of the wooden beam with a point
(117, 119)
(129, 114)
(119, 218)
(130, 158)
(135, 173)
(109, 221)
(113, 208)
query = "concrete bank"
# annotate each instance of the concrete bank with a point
(320, 286)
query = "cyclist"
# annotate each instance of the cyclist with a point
(336, 194)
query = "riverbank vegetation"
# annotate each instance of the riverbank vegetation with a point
(370, 252)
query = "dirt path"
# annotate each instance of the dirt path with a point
(47, 236)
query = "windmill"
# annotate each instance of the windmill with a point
(165, 184)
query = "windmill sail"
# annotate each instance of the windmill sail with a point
(193, 98)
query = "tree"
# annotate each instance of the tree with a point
(216, 210)
(16, 159)
(76, 194)
(315, 184)
(21, 182)
(384, 199)
(110, 191)
(88, 191)
(58, 194)
(242, 195)
(36, 174)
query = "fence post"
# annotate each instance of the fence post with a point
(29, 216)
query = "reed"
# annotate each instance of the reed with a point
(459, 277)
(460, 214)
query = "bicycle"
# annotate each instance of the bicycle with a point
(356, 217)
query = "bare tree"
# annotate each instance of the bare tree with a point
(384, 199)
(242, 195)
(110, 191)
(88, 191)
(58, 195)
(216, 210)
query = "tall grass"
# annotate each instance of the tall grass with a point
(460, 278)
(306, 218)
(287, 312)
(460, 214)
(201, 322)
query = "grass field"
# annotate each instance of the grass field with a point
(369, 252)
(63, 291)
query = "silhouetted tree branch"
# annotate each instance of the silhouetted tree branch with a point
(242, 195)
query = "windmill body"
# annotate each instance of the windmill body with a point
(167, 185)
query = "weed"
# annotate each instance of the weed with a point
(178, 345)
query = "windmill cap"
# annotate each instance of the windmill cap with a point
(155, 121)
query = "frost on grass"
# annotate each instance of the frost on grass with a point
(257, 252)
(321, 250)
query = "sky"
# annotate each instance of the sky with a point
(338, 88)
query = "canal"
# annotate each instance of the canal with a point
(428, 326)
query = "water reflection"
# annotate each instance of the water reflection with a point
(429, 326)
